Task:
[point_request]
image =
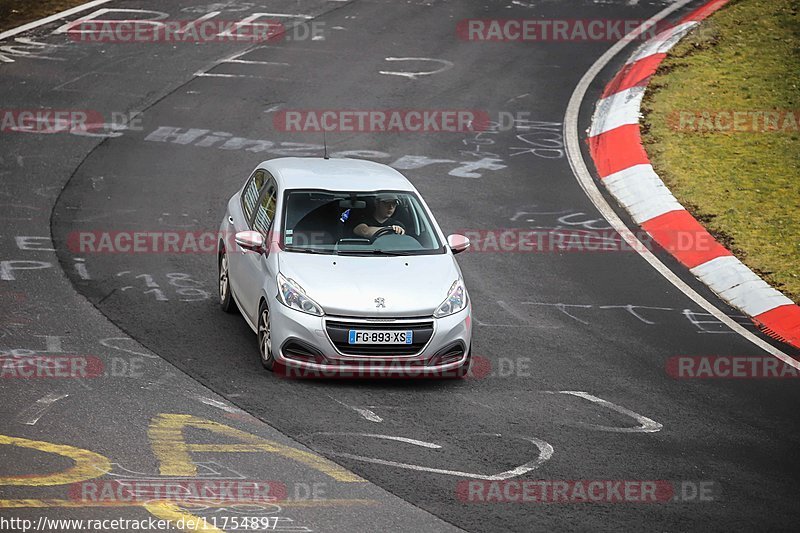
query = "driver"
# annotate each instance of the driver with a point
(385, 206)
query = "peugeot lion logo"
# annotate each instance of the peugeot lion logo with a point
(380, 302)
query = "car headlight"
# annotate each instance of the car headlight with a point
(456, 300)
(293, 296)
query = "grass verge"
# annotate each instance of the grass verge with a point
(741, 181)
(15, 13)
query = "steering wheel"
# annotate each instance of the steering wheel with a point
(381, 232)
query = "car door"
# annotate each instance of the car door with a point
(241, 212)
(254, 266)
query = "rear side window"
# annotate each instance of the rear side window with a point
(251, 193)
(266, 209)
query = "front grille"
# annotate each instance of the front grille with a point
(339, 331)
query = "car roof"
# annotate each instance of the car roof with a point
(335, 174)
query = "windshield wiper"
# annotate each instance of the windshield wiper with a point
(311, 251)
(375, 252)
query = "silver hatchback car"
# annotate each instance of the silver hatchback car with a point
(340, 268)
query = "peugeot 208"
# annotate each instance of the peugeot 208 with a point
(339, 267)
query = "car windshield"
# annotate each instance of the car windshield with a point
(357, 223)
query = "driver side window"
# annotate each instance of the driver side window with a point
(251, 193)
(266, 209)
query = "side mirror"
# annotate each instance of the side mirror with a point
(250, 240)
(457, 243)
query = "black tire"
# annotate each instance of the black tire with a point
(226, 301)
(265, 338)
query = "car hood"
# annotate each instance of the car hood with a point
(349, 285)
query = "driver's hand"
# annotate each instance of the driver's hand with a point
(399, 230)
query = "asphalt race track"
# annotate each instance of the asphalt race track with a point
(572, 348)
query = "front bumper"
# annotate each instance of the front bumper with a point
(301, 342)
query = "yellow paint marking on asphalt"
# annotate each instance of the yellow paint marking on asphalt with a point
(88, 465)
(230, 448)
(179, 518)
(173, 452)
(323, 503)
(56, 503)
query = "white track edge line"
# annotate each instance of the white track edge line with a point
(581, 172)
(51, 18)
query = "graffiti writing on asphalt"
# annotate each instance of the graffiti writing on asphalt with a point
(227, 141)
(541, 139)
(644, 424)
(94, 481)
(181, 283)
(439, 65)
(25, 48)
(539, 452)
(563, 218)
(9, 269)
(28, 49)
(526, 315)
(538, 138)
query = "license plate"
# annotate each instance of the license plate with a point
(357, 336)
